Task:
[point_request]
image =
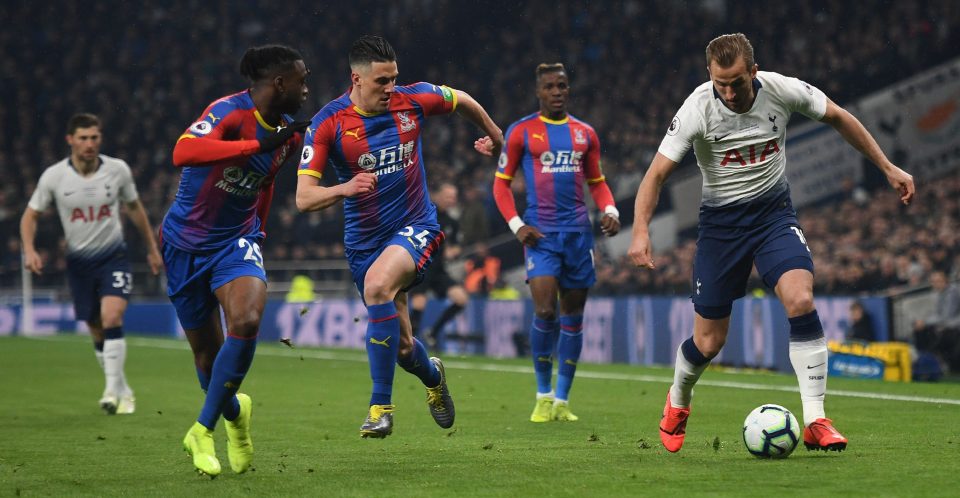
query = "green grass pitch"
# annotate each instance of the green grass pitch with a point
(309, 404)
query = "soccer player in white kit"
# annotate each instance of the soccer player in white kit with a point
(87, 188)
(736, 124)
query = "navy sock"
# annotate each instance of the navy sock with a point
(229, 369)
(113, 333)
(568, 352)
(204, 378)
(383, 343)
(692, 354)
(806, 327)
(543, 340)
(419, 364)
(98, 346)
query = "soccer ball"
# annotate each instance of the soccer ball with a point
(771, 431)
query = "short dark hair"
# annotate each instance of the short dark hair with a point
(266, 60)
(82, 120)
(549, 67)
(371, 48)
(726, 49)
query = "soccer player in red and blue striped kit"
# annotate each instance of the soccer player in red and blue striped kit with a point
(212, 235)
(557, 152)
(370, 135)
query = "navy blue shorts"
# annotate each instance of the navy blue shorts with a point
(764, 232)
(421, 240)
(567, 256)
(192, 278)
(93, 278)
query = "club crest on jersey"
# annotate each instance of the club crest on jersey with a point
(201, 128)
(579, 137)
(406, 124)
(674, 127)
(773, 119)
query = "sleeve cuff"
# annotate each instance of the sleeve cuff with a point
(516, 224)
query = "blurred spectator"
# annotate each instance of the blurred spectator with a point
(861, 326)
(483, 271)
(939, 333)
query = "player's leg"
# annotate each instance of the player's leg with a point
(112, 308)
(785, 264)
(577, 276)
(391, 270)
(188, 287)
(418, 303)
(569, 346)
(82, 280)
(413, 358)
(544, 334)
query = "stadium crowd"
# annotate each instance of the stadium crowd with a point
(147, 71)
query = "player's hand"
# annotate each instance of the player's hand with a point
(487, 146)
(639, 251)
(609, 225)
(155, 261)
(903, 183)
(528, 235)
(363, 183)
(32, 262)
(273, 140)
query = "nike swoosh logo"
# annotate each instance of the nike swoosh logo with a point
(717, 138)
(68, 193)
(380, 343)
(815, 366)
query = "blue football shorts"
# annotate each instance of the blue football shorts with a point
(567, 256)
(420, 240)
(192, 278)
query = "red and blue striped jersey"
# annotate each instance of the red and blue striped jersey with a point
(557, 157)
(220, 201)
(386, 144)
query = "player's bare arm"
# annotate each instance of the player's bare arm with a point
(311, 196)
(857, 135)
(492, 143)
(648, 194)
(138, 215)
(28, 232)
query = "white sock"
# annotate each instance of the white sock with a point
(809, 360)
(685, 376)
(549, 395)
(99, 358)
(114, 358)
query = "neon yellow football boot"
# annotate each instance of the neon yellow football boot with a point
(542, 410)
(560, 411)
(198, 443)
(239, 444)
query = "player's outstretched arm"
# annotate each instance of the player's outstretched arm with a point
(138, 215)
(470, 109)
(28, 232)
(311, 196)
(648, 195)
(857, 135)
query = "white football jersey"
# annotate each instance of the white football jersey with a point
(741, 156)
(88, 206)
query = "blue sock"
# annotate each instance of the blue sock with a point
(419, 364)
(568, 352)
(232, 408)
(231, 366)
(806, 327)
(383, 343)
(543, 340)
(98, 346)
